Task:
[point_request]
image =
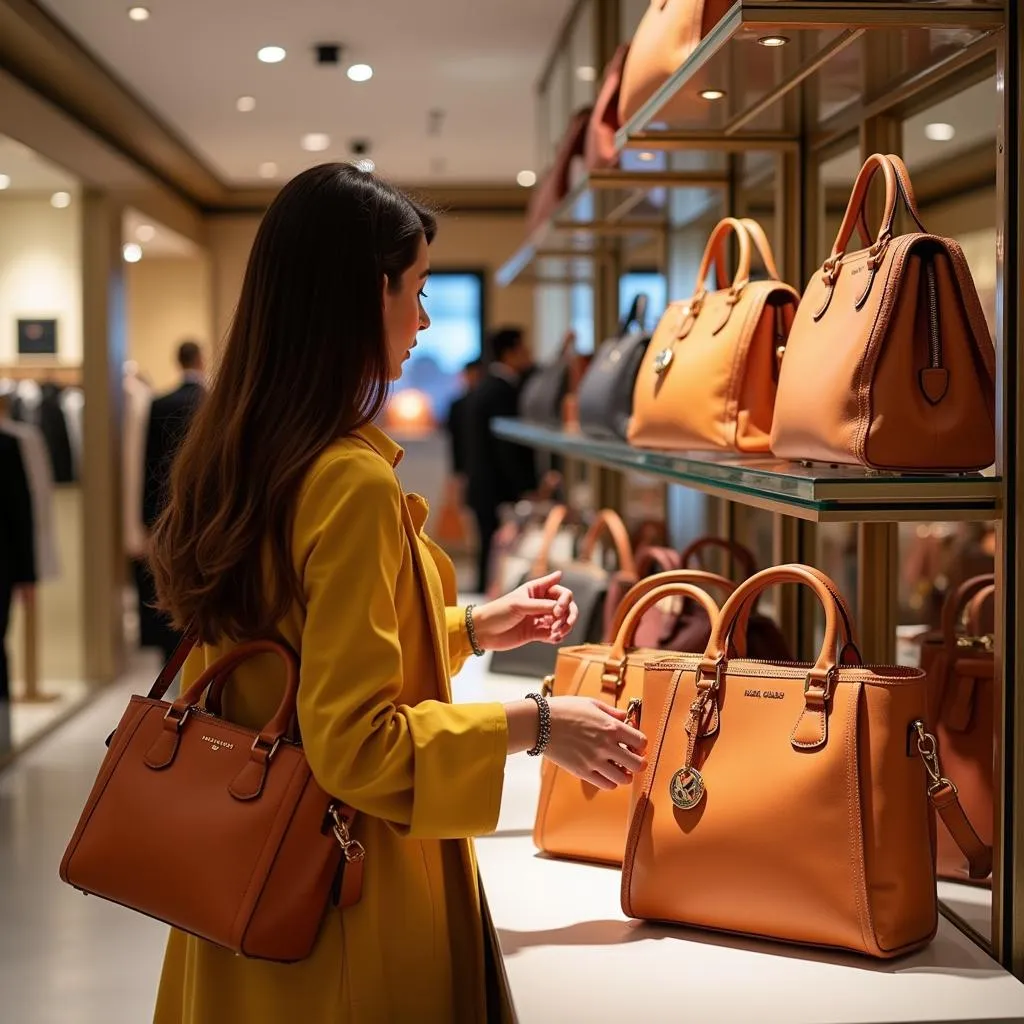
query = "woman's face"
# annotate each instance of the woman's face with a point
(404, 315)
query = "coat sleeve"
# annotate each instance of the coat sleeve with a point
(432, 769)
(459, 647)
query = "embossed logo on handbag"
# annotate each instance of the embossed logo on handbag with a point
(765, 694)
(216, 744)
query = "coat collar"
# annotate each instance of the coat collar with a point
(380, 443)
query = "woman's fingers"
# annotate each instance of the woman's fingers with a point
(600, 780)
(614, 774)
(611, 709)
(540, 586)
(631, 760)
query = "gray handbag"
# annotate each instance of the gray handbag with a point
(588, 580)
(606, 391)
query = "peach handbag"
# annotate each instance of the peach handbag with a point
(788, 801)
(890, 363)
(575, 819)
(708, 378)
(667, 34)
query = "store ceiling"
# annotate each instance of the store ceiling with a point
(29, 172)
(477, 62)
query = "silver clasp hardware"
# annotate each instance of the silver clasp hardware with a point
(351, 848)
(548, 686)
(928, 748)
(633, 711)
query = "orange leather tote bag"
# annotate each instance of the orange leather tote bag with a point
(599, 150)
(890, 363)
(575, 819)
(709, 374)
(213, 828)
(961, 678)
(790, 802)
(667, 34)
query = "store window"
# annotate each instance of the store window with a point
(647, 282)
(455, 304)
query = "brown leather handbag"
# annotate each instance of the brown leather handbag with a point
(575, 819)
(599, 150)
(890, 363)
(667, 34)
(555, 184)
(709, 374)
(790, 802)
(960, 663)
(218, 830)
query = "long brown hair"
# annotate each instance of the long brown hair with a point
(305, 362)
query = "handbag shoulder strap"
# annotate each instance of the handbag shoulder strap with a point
(556, 517)
(610, 522)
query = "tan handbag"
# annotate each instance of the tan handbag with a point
(708, 378)
(600, 150)
(890, 363)
(790, 802)
(667, 34)
(960, 664)
(213, 828)
(576, 819)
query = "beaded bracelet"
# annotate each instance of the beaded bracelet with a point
(543, 725)
(471, 630)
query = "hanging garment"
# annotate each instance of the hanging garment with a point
(28, 397)
(72, 405)
(54, 426)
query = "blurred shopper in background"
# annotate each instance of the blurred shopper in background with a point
(17, 541)
(458, 424)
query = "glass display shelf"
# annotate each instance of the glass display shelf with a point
(738, 81)
(816, 492)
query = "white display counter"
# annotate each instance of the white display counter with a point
(569, 953)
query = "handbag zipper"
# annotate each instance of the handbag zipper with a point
(934, 335)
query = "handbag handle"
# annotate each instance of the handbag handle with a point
(743, 555)
(636, 314)
(954, 605)
(714, 250)
(652, 558)
(763, 246)
(677, 577)
(610, 522)
(972, 616)
(552, 524)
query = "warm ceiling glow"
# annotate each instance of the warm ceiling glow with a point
(939, 131)
(138, 13)
(268, 170)
(647, 156)
(712, 94)
(366, 165)
(586, 73)
(132, 252)
(5, 181)
(315, 142)
(271, 54)
(526, 178)
(773, 40)
(245, 104)
(360, 72)
(60, 200)
(145, 232)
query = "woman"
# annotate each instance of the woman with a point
(286, 517)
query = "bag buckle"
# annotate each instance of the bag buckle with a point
(270, 752)
(352, 849)
(178, 721)
(928, 748)
(826, 687)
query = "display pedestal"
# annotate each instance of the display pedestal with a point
(570, 954)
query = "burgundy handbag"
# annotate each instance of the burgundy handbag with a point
(600, 149)
(554, 186)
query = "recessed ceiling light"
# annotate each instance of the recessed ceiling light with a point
(712, 94)
(939, 131)
(132, 252)
(145, 232)
(360, 72)
(586, 73)
(138, 13)
(245, 104)
(315, 142)
(268, 170)
(5, 181)
(647, 156)
(526, 178)
(773, 40)
(366, 165)
(60, 200)
(271, 54)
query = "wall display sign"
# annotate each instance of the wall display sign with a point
(37, 337)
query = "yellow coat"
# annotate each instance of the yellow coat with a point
(378, 644)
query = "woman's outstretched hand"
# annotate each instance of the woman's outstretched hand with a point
(540, 609)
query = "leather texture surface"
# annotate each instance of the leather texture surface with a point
(889, 363)
(575, 819)
(708, 378)
(667, 34)
(214, 828)
(814, 824)
(961, 683)
(540, 400)
(599, 148)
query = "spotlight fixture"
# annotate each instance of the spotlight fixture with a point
(712, 94)
(647, 156)
(245, 104)
(138, 13)
(315, 142)
(526, 179)
(268, 170)
(939, 131)
(772, 41)
(360, 72)
(132, 252)
(60, 200)
(327, 53)
(5, 182)
(586, 73)
(145, 232)
(271, 54)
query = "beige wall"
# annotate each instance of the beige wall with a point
(466, 241)
(168, 301)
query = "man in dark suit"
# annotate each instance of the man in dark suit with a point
(169, 419)
(458, 424)
(498, 471)
(17, 541)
